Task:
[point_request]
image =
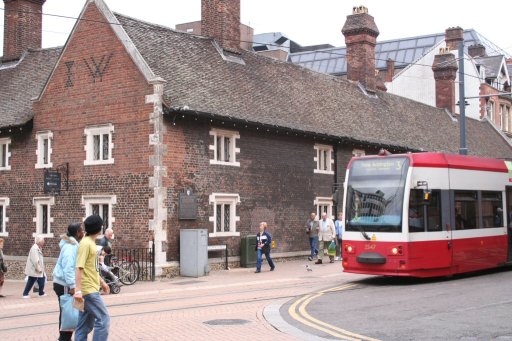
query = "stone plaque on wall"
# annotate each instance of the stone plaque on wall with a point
(187, 206)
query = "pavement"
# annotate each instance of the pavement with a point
(235, 304)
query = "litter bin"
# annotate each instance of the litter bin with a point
(247, 251)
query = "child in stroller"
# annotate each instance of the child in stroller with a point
(105, 273)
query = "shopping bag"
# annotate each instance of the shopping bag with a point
(331, 251)
(69, 315)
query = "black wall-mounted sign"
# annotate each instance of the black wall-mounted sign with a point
(52, 182)
(187, 206)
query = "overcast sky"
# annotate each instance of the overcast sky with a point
(308, 22)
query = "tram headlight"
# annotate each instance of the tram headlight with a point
(397, 250)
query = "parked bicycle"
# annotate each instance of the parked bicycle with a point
(126, 269)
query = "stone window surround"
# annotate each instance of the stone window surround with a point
(100, 199)
(4, 202)
(38, 202)
(330, 159)
(324, 201)
(225, 198)
(40, 137)
(233, 136)
(89, 132)
(6, 141)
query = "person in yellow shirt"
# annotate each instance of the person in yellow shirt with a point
(87, 285)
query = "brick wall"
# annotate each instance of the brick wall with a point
(94, 83)
(275, 182)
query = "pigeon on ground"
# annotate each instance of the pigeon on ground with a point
(308, 268)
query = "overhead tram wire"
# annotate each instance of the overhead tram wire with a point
(158, 27)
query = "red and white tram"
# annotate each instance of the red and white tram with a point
(426, 214)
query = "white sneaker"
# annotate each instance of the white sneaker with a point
(27, 296)
(337, 258)
(43, 295)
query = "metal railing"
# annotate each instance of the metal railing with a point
(142, 258)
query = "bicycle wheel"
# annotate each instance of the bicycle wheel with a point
(128, 273)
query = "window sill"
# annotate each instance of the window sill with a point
(47, 235)
(39, 166)
(4, 234)
(224, 163)
(8, 168)
(98, 162)
(318, 171)
(224, 234)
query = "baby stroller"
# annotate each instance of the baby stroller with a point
(111, 279)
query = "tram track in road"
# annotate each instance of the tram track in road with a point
(298, 312)
(171, 303)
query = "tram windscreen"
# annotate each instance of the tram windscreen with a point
(375, 194)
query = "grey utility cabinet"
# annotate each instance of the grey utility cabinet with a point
(194, 253)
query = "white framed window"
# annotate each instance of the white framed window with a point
(502, 118)
(5, 153)
(358, 152)
(98, 145)
(224, 214)
(4, 202)
(43, 218)
(490, 111)
(323, 205)
(44, 149)
(324, 159)
(224, 147)
(100, 205)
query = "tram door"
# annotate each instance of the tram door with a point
(508, 208)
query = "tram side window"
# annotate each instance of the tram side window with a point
(418, 210)
(492, 209)
(466, 210)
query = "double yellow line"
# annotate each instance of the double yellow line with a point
(299, 313)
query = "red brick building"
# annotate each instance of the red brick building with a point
(138, 114)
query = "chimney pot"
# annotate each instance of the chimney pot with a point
(477, 50)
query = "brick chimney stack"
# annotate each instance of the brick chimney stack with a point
(22, 27)
(390, 63)
(220, 20)
(361, 34)
(453, 36)
(477, 50)
(445, 71)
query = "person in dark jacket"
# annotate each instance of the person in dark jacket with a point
(263, 243)
(64, 271)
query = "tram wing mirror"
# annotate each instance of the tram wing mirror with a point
(426, 196)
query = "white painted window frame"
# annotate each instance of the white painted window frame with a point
(4, 202)
(233, 136)
(324, 201)
(40, 137)
(89, 132)
(320, 151)
(100, 199)
(7, 141)
(225, 198)
(38, 202)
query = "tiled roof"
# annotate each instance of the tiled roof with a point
(492, 65)
(21, 81)
(279, 94)
(403, 51)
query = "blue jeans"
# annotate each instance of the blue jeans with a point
(267, 256)
(95, 315)
(30, 283)
(313, 241)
